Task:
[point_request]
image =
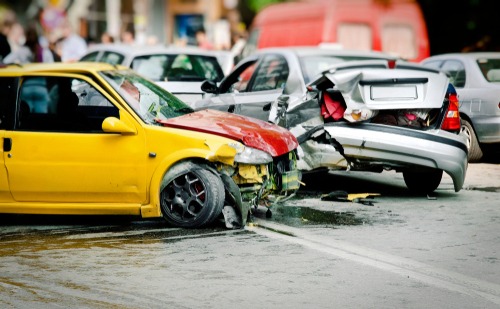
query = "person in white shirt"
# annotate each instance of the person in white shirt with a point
(73, 46)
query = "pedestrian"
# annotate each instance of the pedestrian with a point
(5, 28)
(72, 45)
(16, 36)
(106, 38)
(31, 51)
(128, 36)
(202, 39)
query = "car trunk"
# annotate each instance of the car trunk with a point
(370, 118)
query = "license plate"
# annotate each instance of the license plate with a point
(393, 93)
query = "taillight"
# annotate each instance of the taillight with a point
(452, 117)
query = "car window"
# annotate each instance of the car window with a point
(8, 93)
(152, 66)
(178, 67)
(490, 69)
(433, 64)
(112, 58)
(243, 79)
(272, 73)
(149, 101)
(312, 65)
(456, 71)
(90, 57)
(62, 104)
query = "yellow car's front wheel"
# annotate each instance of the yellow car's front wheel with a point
(192, 196)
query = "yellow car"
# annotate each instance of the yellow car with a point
(97, 139)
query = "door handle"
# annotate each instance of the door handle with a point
(7, 144)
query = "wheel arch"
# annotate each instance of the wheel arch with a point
(195, 156)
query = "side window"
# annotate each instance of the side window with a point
(272, 73)
(8, 93)
(241, 83)
(62, 104)
(112, 58)
(456, 72)
(434, 64)
(90, 57)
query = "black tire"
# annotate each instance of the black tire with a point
(191, 198)
(473, 146)
(423, 182)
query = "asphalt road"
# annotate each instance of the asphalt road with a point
(405, 251)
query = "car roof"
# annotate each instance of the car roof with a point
(60, 67)
(471, 55)
(302, 51)
(137, 50)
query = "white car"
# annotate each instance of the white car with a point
(476, 77)
(352, 110)
(178, 70)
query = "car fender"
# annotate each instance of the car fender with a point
(216, 152)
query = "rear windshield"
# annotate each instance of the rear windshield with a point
(181, 67)
(490, 69)
(314, 65)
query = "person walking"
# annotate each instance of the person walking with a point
(202, 39)
(4, 42)
(31, 51)
(72, 46)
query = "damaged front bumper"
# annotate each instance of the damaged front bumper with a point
(250, 185)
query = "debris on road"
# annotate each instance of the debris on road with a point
(343, 196)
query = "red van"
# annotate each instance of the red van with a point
(394, 26)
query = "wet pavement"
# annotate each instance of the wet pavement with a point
(404, 251)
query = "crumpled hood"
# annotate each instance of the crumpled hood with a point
(251, 132)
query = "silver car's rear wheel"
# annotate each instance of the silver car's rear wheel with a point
(424, 181)
(475, 152)
(192, 198)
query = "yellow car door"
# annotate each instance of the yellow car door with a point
(59, 155)
(5, 195)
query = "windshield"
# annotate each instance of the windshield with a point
(147, 99)
(181, 67)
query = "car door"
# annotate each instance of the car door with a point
(59, 153)
(8, 92)
(251, 88)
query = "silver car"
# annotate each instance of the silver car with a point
(353, 111)
(476, 77)
(178, 70)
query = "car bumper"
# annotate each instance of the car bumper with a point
(397, 147)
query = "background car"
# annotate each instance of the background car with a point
(178, 70)
(476, 77)
(352, 110)
(97, 139)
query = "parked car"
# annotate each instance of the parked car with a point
(178, 70)
(97, 139)
(352, 113)
(476, 77)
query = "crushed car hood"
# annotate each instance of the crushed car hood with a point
(254, 133)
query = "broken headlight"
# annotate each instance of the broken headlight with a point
(250, 155)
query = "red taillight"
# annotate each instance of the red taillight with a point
(452, 117)
(391, 64)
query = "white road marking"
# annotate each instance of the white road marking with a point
(402, 266)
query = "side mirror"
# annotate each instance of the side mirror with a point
(115, 125)
(209, 86)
